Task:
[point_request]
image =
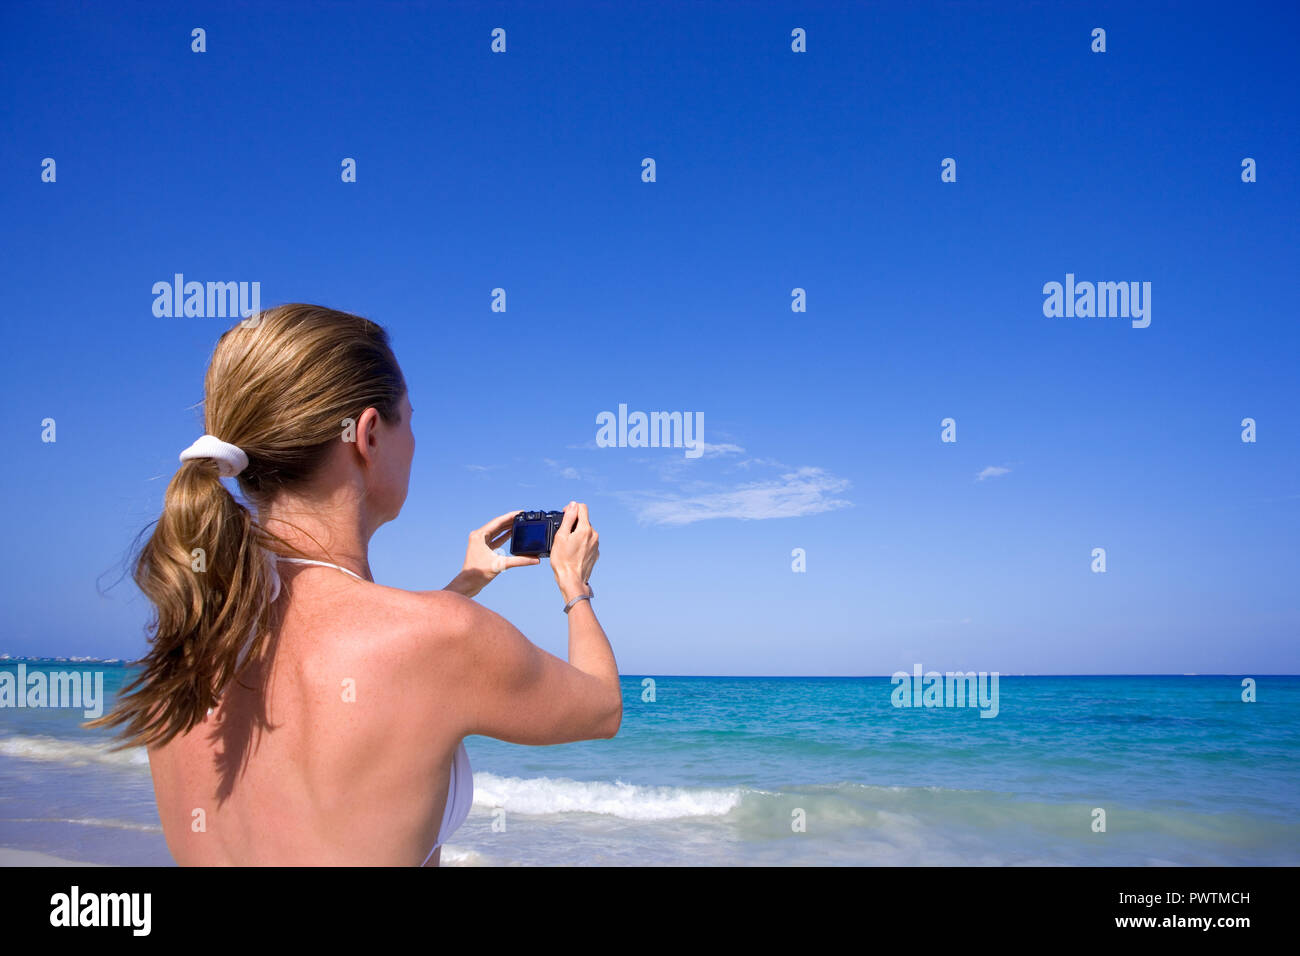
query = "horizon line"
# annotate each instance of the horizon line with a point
(8, 659)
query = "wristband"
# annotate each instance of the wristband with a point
(591, 593)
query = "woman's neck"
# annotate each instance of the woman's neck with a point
(327, 530)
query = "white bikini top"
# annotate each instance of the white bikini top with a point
(460, 787)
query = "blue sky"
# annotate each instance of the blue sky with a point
(775, 171)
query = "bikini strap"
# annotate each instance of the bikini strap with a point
(324, 564)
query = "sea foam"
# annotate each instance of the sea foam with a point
(71, 752)
(542, 795)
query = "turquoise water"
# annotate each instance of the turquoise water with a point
(717, 770)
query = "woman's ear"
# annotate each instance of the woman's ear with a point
(368, 435)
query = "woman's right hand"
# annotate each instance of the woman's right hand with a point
(574, 551)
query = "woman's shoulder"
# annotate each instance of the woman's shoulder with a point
(414, 624)
(411, 643)
(365, 618)
(441, 609)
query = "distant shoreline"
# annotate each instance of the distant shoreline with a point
(119, 662)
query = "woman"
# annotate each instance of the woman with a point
(296, 712)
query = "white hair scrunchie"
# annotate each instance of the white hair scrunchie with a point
(230, 459)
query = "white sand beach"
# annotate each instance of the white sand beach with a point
(10, 857)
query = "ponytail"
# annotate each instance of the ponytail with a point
(280, 389)
(206, 572)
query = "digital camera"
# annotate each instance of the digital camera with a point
(533, 533)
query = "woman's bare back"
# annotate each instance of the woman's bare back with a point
(344, 759)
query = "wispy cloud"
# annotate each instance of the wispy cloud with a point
(707, 450)
(567, 472)
(676, 469)
(717, 451)
(992, 471)
(804, 491)
(763, 462)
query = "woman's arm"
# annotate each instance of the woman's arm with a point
(513, 690)
(482, 564)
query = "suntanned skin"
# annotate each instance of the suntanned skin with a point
(334, 781)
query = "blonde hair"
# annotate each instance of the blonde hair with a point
(280, 386)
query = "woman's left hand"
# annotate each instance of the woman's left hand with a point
(482, 563)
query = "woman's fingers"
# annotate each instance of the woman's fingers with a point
(499, 523)
(497, 531)
(501, 562)
(569, 521)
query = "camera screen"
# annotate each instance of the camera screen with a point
(530, 536)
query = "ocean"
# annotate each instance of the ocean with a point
(792, 771)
